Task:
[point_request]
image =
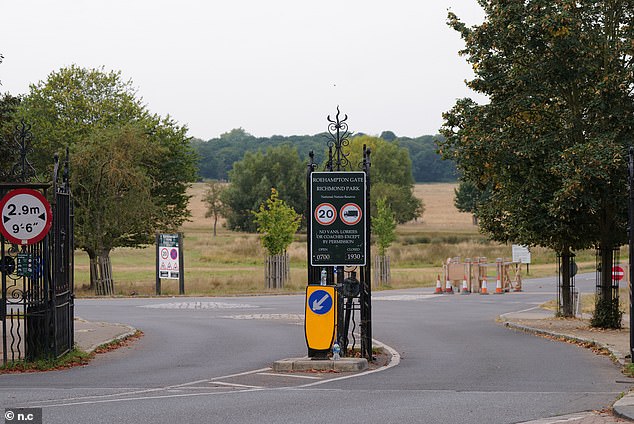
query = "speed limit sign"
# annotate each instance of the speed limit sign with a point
(26, 216)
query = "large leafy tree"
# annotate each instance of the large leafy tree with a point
(112, 193)
(8, 148)
(550, 144)
(252, 178)
(90, 109)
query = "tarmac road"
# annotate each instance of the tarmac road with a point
(206, 360)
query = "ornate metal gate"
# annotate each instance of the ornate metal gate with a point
(37, 305)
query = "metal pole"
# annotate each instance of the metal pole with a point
(158, 277)
(181, 265)
(631, 241)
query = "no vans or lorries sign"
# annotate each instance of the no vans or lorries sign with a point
(338, 218)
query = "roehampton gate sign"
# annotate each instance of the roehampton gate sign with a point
(338, 218)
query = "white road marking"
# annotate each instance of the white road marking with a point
(405, 297)
(199, 305)
(241, 386)
(290, 375)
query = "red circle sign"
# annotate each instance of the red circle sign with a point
(351, 213)
(617, 273)
(27, 216)
(325, 214)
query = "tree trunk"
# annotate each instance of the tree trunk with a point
(382, 272)
(215, 223)
(474, 219)
(566, 309)
(276, 271)
(101, 273)
(607, 313)
(93, 269)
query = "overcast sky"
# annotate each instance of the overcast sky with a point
(270, 67)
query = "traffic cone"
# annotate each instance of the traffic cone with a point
(438, 285)
(449, 287)
(498, 287)
(465, 288)
(484, 289)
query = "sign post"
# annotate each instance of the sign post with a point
(169, 260)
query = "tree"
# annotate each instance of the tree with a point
(391, 176)
(388, 136)
(550, 144)
(215, 207)
(383, 226)
(77, 106)
(112, 195)
(277, 222)
(252, 178)
(469, 198)
(8, 122)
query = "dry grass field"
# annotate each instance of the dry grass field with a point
(232, 263)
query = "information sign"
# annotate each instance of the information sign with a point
(168, 256)
(338, 223)
(521, 254)
(26, 216)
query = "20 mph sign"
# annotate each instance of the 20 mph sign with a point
(26, 216)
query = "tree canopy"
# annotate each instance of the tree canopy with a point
(252, 178)
(277, 223)
(550, 144)
(391, 176)
(218, 155)
(98, 116)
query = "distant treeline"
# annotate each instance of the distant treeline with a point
(218, 155)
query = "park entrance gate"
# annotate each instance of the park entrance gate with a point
(37, 305)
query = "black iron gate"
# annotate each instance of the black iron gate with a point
(37, 305)
(353, 283)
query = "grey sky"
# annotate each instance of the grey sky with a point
(270, 67)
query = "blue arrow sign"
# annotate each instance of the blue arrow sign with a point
(320, 302)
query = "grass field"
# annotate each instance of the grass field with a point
(232, 263)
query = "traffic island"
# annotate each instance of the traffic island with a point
(306, 364)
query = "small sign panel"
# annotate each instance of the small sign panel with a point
(521, 254)
(338, 226)
(618, 273)
(321, 317)
(168, 256)
(27, 216)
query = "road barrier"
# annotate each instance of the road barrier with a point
(473, 274)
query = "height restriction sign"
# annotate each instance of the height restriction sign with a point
(26, 216)
(338, 220)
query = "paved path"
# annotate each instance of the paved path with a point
(208, 360)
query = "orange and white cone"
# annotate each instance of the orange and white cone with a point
(449, 287)
(438, 285)
(498, 287)
(465, 288)
(484, 289)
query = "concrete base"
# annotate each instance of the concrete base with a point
(307, 364)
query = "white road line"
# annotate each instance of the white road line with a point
(242, 386)
(290, 375)
(92, 402)
(224, 377)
